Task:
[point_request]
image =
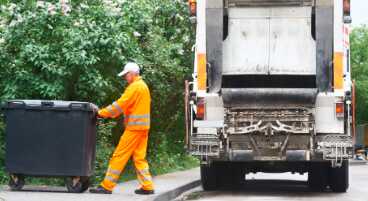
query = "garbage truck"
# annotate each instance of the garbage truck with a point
(271, 91)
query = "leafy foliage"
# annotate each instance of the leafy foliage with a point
(359, 63)
(73, 51)
(3, 177)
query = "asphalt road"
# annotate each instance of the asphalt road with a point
(285, 187)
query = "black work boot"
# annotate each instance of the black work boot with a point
(141, 191)
(100, 190)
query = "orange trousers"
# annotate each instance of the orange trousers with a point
(132, 143)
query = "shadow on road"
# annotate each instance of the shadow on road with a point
(264, 188)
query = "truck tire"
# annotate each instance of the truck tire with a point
(224, 176)
(339, 178)
(230, 175)
(208, 177)
(318, 176)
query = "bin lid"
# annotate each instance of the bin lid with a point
(49, 105)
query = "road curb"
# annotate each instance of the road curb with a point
(174, 193)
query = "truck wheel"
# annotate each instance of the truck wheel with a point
(16, 182)
(339, 178)
(208, 177)
(231, 175)
(77, 184)
(238, 175)
(224, 177)
(318, 176)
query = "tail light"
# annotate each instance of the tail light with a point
(340, 109)
(193, 7)
(346, 7)
(200, 108)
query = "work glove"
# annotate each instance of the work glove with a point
(99, 115)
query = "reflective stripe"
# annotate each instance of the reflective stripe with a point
(137, 116)
(135, 123)
(112, 171)
(110, 110)
(143, 173)
(201, 71)
(138, 120)
(145, 179)
(117, 106)
(110, 178)
(140, 180)
(338, 70)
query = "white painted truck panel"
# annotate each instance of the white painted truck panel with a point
(325, 115)
(270, 41)
(293, 50)
(214, 108)
(200, 45)
(246, 47)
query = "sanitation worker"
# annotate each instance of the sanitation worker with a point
(135, 105)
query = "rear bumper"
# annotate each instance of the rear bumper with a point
(248, 155)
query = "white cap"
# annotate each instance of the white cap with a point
(129, 67)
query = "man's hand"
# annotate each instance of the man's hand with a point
(102, 114)
(97, 111)
(99, 115)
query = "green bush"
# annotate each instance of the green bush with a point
(74, 51)
(359, 63)
(3, 177)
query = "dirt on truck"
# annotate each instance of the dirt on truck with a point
(271, 91)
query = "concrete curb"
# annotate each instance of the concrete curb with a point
(172, 194)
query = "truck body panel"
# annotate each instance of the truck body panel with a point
(267, 41)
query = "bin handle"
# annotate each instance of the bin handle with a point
(95, 108)
(3, 106)
(19, 102)
(47, 103)
(16, 102)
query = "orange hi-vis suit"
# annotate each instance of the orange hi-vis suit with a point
(135, 104)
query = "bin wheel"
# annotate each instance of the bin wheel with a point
(16, 182)
(77, 184)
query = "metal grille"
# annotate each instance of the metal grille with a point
(205, 145)
(270, 2)
(269, 121)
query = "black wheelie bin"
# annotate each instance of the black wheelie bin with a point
(50, 139)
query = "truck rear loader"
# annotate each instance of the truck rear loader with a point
(271, 91)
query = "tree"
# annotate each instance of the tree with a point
(359, 62)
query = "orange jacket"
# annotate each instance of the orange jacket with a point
(135, 104)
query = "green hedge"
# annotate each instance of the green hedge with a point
(74, 51)
(359, 63)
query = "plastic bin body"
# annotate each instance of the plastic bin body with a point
(50, 138)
